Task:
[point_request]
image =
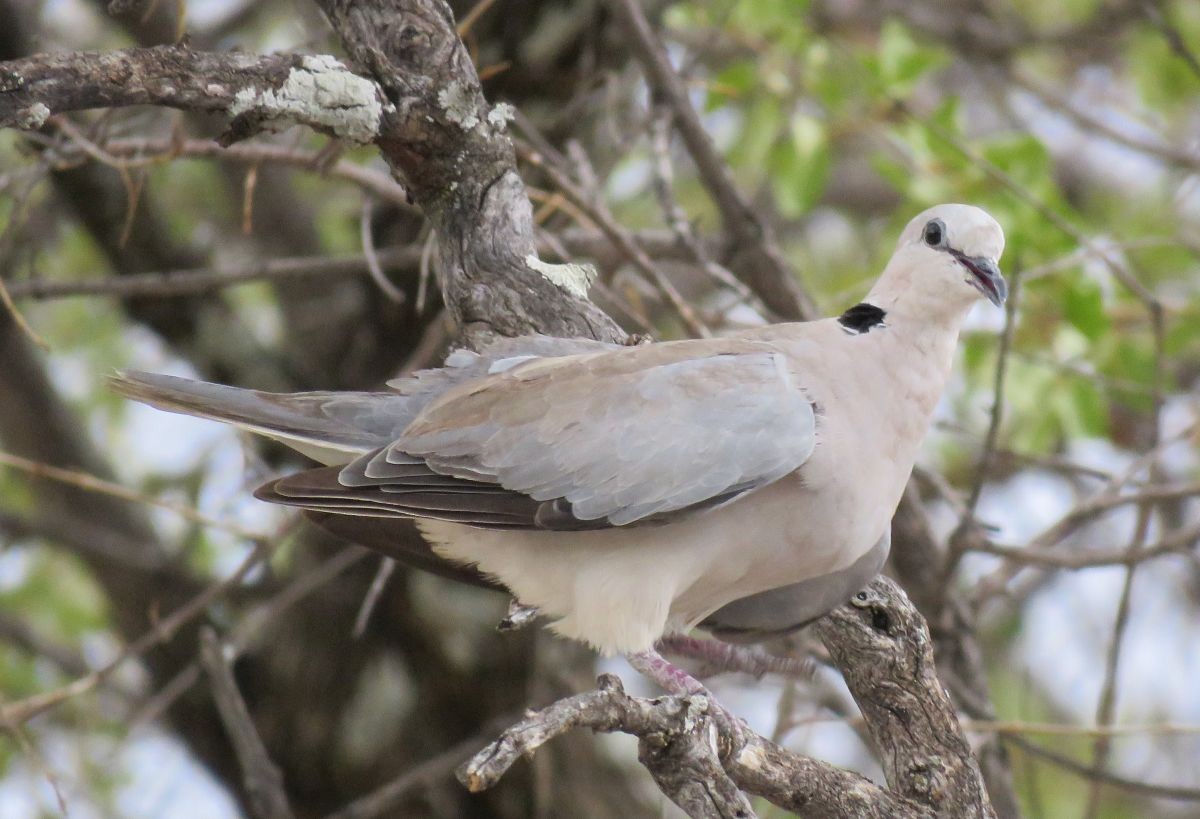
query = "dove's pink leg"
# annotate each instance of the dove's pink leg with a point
(668, 675)
(747, 659)
(682, 684)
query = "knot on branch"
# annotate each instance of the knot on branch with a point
(880, 621)
(882, 646)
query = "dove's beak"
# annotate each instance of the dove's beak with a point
(984, 277)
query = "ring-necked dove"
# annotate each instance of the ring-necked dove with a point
(746, 483)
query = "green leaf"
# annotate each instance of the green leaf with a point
(735, 81)
(1023, 158)
(800, 166)
(1090, 408)
(903, 61)
(758, 135)
(1083, 307)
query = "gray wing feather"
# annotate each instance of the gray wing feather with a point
(334, 427)
(466, 365)
(619, 441)
(535, 432)
(316, 423)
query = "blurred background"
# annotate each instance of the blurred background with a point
(1068, 434)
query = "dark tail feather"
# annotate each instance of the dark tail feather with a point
(397, 538)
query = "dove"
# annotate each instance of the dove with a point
(744, 483)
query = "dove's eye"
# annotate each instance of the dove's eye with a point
(935, 233)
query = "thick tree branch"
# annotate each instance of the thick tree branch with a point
(451, 150)
(880, 644)
(917, 560)
(682, 747)
(317, 91)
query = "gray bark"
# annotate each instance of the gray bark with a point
(881, 645)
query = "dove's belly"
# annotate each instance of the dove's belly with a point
(621, 589)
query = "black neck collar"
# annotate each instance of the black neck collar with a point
(862, 317)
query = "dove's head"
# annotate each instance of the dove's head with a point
(946, 259)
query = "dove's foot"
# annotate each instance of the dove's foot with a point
(676, 681)
(748, 659)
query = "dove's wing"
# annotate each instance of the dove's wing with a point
(585, 441)
(337, 427)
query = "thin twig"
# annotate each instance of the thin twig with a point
(171, 283)
(674, 214)
(1158, 17)
(1102, 501)
(1092, 125)
(472, 17)
(90, 483)
(387, 566)
(599, 214)
(384, 799)
(1179, 541)
(1131, 785)
(1106, 707)
(7, 248)
(261, 777)
(756, 256)
(374, 267)
(21, 711)
(250, 629)
(961, 539)
(159, 151)
(35, 757)
(166, 284)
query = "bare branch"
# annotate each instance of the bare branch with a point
(21, 711)
(91, 483)
(680, 741)
(880, 643)
(168, 283)
(261, 777)
(1176, 542)
(385, 798)
(255, 90)
(882, 646)
(249, 631)
(620, 238)
(16, 631)
(673, 212)
(1131, 785)
(452, 151)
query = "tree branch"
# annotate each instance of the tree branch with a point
(452, 151)
(262, 778)
(317, 91)
(881, 645)
(172, 283)
(681, 746)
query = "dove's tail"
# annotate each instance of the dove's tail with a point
(332, 428)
